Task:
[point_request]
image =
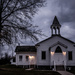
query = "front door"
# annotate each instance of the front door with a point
(58, 58)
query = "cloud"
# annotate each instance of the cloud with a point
(68, 32)
(65, 12)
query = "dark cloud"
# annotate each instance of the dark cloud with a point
(67, 18)
(67, 13)
(64, 10)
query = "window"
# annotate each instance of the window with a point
(27, 58)
(58, 50)
(70, 55)
(20, 58)
(43, 55)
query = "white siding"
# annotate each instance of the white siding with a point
(24, 62)
(44, 46)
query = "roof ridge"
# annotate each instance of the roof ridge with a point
(54, 36)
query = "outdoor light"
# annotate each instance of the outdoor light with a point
(52, 53)
(31, 57)
(64, 53)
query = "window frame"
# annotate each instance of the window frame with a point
(58, 50)
(70, 56)
(27, 58)
(20, 58)
(43, 55)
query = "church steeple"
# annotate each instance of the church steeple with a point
(55, 27)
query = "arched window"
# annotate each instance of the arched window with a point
(58, 50)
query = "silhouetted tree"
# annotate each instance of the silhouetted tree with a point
(5, 60)
(16, 18)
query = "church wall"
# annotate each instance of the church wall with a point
(71, 62)
(39, 59)
(24, 62)
(70, 48)
(44, 46)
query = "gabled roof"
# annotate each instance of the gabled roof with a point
(54, 36)
(59, 44)
(25, 49)
(67, 39)
(43, 41)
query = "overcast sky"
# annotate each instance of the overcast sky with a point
(65, 12)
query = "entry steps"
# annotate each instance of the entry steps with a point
(60, 68)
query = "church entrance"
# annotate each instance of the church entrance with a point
(58, 58)
(59, 61)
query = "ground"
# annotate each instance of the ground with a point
(72, 72)
(13, 70)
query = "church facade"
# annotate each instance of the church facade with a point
(51, 53)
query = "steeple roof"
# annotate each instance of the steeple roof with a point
(55, 21)
(55, 26)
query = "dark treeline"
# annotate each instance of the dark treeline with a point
(5, 60)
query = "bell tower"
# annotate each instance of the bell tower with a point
(55, 27)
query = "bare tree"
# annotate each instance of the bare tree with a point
(16, 18)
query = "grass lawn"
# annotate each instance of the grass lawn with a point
(13, 70)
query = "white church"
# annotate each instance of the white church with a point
(52, 53)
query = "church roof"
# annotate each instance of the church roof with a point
(55, 21)
(25, 49)
(59, 44)
(54, 36)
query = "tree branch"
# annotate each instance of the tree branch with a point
(12, 11)
(6, 5)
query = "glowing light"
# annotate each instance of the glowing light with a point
(31, 57)
(64, 53)
(52, 53)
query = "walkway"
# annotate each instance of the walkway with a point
(65, 73)
(29, 69)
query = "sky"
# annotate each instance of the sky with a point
(65, 12)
